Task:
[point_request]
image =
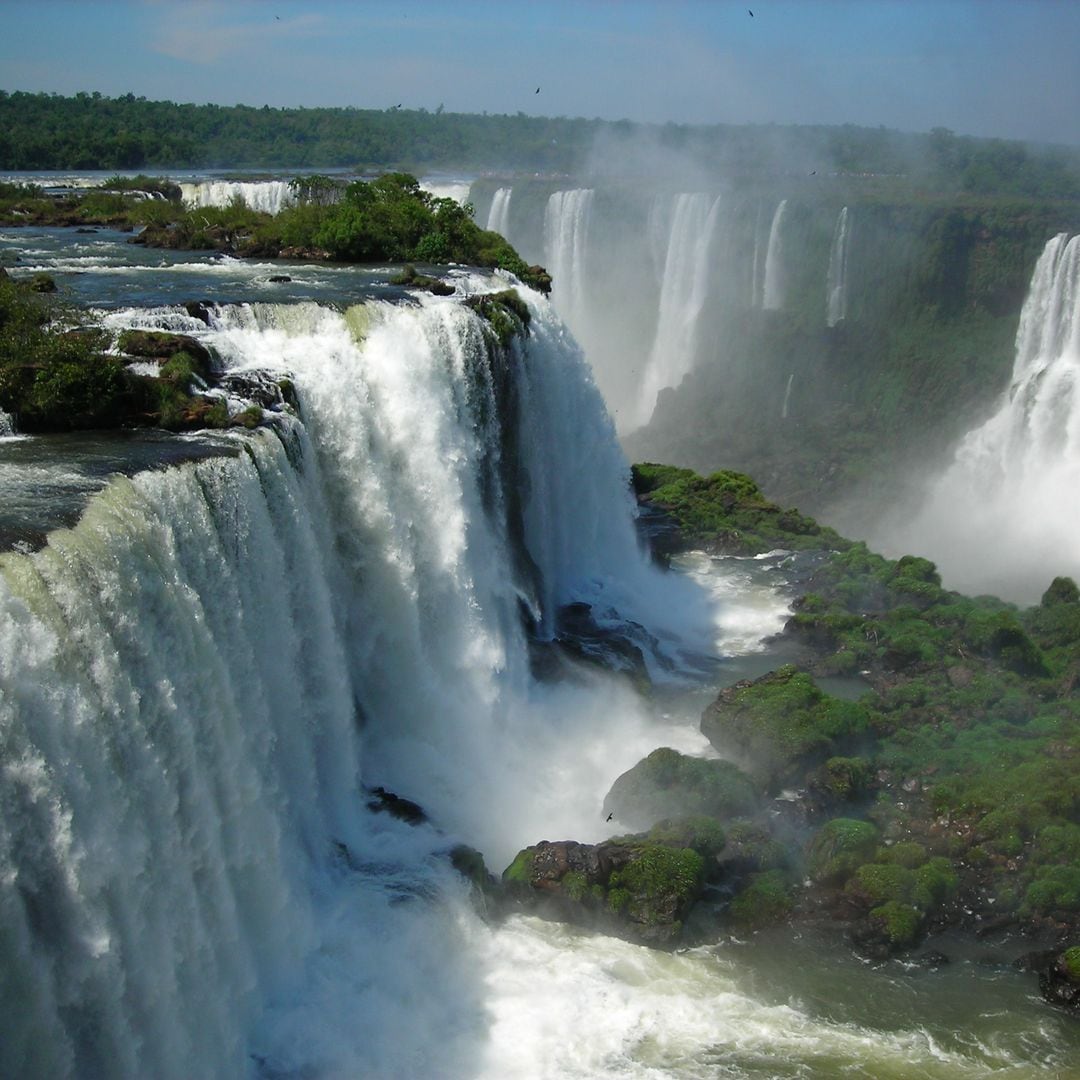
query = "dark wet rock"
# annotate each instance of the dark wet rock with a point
(159, 345)
(386, 802)
(199, 309)
(256, 386)
(279, 279)
(1059, 976)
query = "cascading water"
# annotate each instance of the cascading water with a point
(7, 425)
(1003, 514)
(684, 289)
(198, 676)
(566, 226)
(499, 214)
(772, 298)
(836, 279)
(267, 196)
(787, 397)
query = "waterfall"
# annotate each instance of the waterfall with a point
(1004, 512)
(267, 196)
(774, 287)
(197, 679)
(499, 214)
(566, 225)
(787, 397)
(836, 279)
(7, 425)
(683, 292)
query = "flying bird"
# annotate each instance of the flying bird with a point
(538, 89)
(751, 14)
(610, 816)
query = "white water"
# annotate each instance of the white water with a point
(566, 227)
(684, 289)
(499, 214)
(186, 674)
(7, 425)
(775, 285)
(267, 196)
(836, 283)
(458, 190)
(1004, 514)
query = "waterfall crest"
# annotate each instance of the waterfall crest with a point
(1006, 502)
(267, 196)
(201, 675)
(836, 278)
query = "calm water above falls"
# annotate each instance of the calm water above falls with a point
(181, 678)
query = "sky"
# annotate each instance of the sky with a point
(1008, 68)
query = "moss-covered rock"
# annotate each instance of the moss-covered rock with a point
(668, 784)
(781, 724)
(839, 847)
(634, 887)
(767, 900)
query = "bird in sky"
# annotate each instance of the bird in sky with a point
(751, 14)
(610, 816)
(538, 89)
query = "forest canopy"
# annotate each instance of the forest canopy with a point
(90, 131)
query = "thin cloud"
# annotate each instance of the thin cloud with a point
(205, 33)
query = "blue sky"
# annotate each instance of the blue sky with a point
(984, 67)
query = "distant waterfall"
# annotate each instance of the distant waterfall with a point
(267, 196)
(566, 225)
(499, 214)
(684, 289)
(836, 280)
(775, 283)
(1005, 514)
(787, 397)
(458, 190)
(198, 677)
(7, 425)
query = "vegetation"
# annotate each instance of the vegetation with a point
(956, 775)
(389, 219)
(88, 130)
(667, 784)
(727, 512)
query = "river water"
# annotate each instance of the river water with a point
(278, 964)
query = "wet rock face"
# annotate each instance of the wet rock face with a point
(1059, 977)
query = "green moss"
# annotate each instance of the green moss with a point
(618, 900)
(660, 880)
(575, 884)
(668, 785)
(250, 418)
(848, 777)
(781, 723)
(766, 900)
(519, 872)
(907, 853)
(882, 882)
(1070, 959)
(900, 922)
(839, 847)
(704, 835)
(1055, 888)
(936, 881)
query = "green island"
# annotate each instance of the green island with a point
(944, 795)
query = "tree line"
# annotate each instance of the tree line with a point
(90, 131)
